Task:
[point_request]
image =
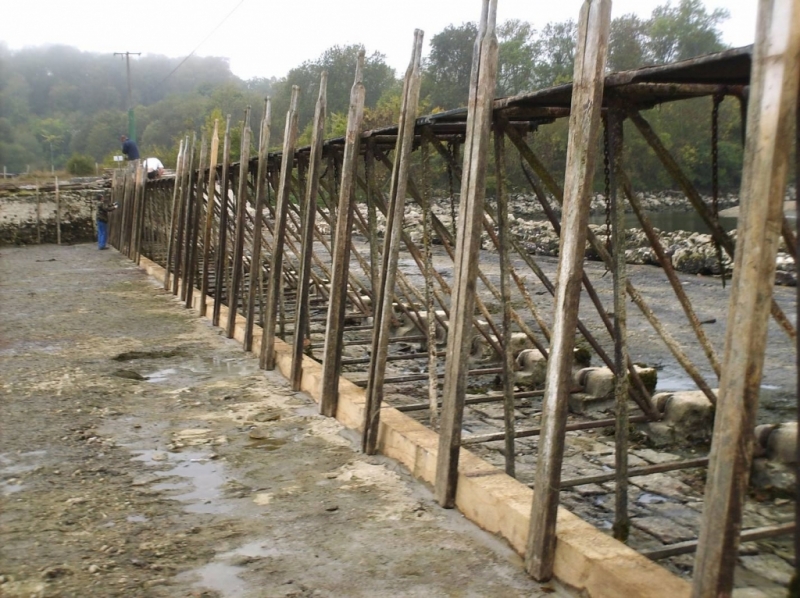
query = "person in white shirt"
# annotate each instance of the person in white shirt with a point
(154, 168)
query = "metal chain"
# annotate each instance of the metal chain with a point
(452, 151)
(715, 176)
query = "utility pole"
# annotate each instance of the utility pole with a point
(131, 123)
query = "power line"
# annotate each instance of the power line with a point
(204, 41)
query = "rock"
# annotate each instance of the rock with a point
(56, 572)
(662, 484)
(772, 475)
(267, 416)
(663, 528)
(258, 434)
(128, 375)
(688, 415)
(770, 566)
(93, 569)
(782, 443)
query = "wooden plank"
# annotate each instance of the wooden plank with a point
(267, 353)
(587, 95)
(772, 105)
(260, 204)
(221, 269)
(238, 237)
(175, 205)
(469, 226)
(391, 250)
(194, 238)
(309, 216)
(332, 354)
(207, 232)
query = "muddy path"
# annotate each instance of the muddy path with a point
(142, 454)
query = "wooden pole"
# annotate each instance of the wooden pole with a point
(431, 340)
(505, 290)
(189, 228)
(238, 239)
(58, 214)
(309, 215)
(184, 198)
(332, 354)
(391, 249)
(587, 94)
(621, 527)
(260, 203)
(772, 106)
(469, 227)
(175, 206)
(221, 269)
(212, 201)
(267, 353)
(194, 237)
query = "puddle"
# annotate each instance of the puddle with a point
(136, 518)
(188, 373)
(202, 486)
(10, 464)
(218, 577)
(7, 488)
(223, 577)
(161, 375)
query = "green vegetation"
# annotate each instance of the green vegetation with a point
(63, 108)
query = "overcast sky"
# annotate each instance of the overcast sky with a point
(265, 38)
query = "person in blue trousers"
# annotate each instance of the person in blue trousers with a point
(104, 206)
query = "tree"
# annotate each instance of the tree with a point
(448, 66)
(519, 51)
(557, 46)
(684, 31)
(627, 47)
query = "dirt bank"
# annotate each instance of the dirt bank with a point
(180, 469)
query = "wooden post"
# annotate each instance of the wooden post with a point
(773, 101)
(222, 243)
(58, 214)
(383, 307)
(469, 227)
(301, 318)
(587, 94)
(332, 354)
(175, 205)
(238, 239)
(193, 238)
(184, 198)
(191, 203)
(505, 290)
(212, 201)
(260, 204)
(621, 526)
(427, 225)
(267, 352)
